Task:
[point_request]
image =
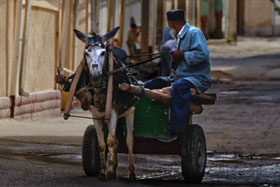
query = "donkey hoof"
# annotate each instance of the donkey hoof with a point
(101, 177)
(132, 177)
(110, 176)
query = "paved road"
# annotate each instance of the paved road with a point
(242, 132)
(32, 164)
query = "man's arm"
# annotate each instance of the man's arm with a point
(199, 51)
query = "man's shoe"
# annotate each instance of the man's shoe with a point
(167, 136)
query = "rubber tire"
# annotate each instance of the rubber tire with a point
(90, 152)
(193, 154)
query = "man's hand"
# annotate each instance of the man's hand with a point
(177, 55)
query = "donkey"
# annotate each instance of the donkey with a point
(96, 70)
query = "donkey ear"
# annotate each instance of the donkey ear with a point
(81, 36)
(110, 34)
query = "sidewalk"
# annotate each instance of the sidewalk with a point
(53, 130)
(248, 59)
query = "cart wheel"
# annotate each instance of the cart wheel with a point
(90, 152)
(193, 153)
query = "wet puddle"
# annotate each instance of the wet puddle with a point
(221, 168)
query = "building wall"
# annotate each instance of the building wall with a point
(42, 47)
(3, 50)
(132, 8)
(41, 55)
(7, 45)
(257, 17)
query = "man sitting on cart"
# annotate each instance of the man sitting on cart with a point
(191, 63)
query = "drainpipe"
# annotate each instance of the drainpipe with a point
(16, 60)
(17, 41)
(273, 18)
(198, 14)
(226, 19)
(58, 44)
(193, 12)
(74, 51)
(65, 31)
(92, 19)
(24, 48)
(95, 10)
(110, 10)
(121, 23)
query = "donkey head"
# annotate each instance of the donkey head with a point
(95, 51)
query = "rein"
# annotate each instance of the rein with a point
(139, 63)
(101, 86)
(146, 54)
(121, 69)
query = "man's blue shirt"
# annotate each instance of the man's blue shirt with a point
(195, 67)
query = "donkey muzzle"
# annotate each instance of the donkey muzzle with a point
(95, 75)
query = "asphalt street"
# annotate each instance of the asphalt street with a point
(242, 132)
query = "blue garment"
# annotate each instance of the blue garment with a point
(167, 45)
(180, 100)
(157, 83)
(166, 60)
(166, 36)
(195, 67)
(192, 72)
(180, 104)
(171, 44)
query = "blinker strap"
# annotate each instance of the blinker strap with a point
(99, 45)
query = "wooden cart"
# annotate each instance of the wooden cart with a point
(151, 119)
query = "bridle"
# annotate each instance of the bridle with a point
(96, 44)
(122, 68)
(131, 56)
(105, 65)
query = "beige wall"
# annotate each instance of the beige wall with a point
(3, 51)
(42, 47)
(45, 40)
(257, 17)
(7, 30)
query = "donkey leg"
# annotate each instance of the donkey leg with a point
(129, 142)
(102, 148)
(112, 143)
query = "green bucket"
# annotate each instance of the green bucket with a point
(150, 118)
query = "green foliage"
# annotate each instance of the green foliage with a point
(276, 8)
(229, 40)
